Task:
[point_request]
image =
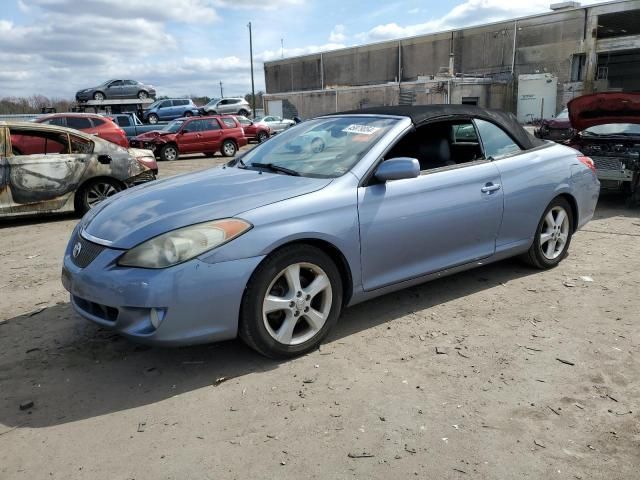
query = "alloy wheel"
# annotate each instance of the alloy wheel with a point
(170, 153)
(555, 233)
(297, 303)
(229, 149)
(98, 192)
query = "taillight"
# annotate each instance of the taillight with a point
(587, 162)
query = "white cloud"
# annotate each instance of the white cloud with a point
(258, 4)
(337, 35)
(152, 10)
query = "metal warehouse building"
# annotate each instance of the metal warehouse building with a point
(531, 66)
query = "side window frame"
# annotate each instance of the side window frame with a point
(17, 130)
(70, 145)
(520, 150)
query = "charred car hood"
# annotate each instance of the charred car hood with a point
(141, 213)
(603, 108)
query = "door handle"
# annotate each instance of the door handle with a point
(490, 187)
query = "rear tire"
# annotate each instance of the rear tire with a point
(153, 119)
(94, 192)
(229, 148)
(169, 153)
(291, 302)
(553, 236)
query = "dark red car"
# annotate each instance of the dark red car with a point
(206, 135)
(556, 128)
(257, 132)
(92, 124)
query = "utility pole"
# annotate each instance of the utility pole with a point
(221, 93)
(253, 88)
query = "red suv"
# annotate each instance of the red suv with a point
(194, 135)
(92, 124)
(258, 132)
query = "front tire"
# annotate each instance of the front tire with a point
(262, 137)
(142, 95)
(553, 236)
(188, 114)
(169, 153)
(229, 148)
(153, 119)
(291, 302)
(95, 192)
(99, 96)
(243, 113)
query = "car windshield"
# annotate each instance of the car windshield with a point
(325, 147)
(258, 119)
(564, 114)
(625, 129)
(212, 102)
(154, 104)
(173, 127)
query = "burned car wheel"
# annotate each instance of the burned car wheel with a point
(98, 96)
(553, 236)
(169, 153)
(229, 148)
(95, 192)
(291, 302)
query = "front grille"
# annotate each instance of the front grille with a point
(607, 163)
(110, 314)
(87, 254)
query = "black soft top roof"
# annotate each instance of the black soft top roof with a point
(420, 114)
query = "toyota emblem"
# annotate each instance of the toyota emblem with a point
(76, 249)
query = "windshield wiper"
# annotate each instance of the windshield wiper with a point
(275, 168)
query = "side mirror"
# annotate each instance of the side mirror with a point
(398, 169)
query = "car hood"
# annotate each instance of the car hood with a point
(152, 134)
(603, 108)
(144, 212)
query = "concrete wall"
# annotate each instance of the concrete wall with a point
(310, 104)
(543, 44)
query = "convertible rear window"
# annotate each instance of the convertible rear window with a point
(325, 147)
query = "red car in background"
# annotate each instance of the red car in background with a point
(92, 124)
(258, 132)
(206, 135)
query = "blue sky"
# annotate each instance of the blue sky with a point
(54, 47)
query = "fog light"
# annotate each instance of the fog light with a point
(156, 316)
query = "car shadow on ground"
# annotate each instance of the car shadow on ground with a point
(73, 370)
(37, 219)
(614, 205)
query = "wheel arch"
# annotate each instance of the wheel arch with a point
(334, 253)
(573, 203)
(83, 185)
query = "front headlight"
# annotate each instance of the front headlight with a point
(183, 244)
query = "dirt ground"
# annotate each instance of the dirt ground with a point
(537, 378)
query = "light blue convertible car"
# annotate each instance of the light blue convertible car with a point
(272, 246)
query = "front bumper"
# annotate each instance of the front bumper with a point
(195, 302)
(84, 97)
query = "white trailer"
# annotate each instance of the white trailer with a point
(537, 96)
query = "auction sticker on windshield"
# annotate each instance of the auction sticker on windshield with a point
(361, 129)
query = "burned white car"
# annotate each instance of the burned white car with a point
(45, 168)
